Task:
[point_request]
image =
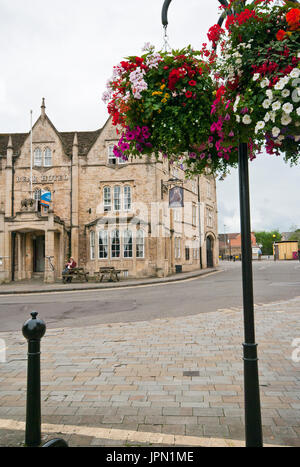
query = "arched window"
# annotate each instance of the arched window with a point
(127, 198)
(115, 244)
(37, 194)
(117, 198)
(37, 157)
(48, 157)
(103, 244)
(107, 198)
(127, 245)
(140, 244)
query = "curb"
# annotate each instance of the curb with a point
(116, 286)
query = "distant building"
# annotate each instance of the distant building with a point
(285, 250)
(285, 236)
(230, 245)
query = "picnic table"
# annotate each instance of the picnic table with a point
(109, 273)
(75, 273)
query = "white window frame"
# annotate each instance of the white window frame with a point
(111, 156)
(115, 234)
(209, 215)
(37, 194)
(127, 244)
(92, 244)
(103, 236)
(47, 157)
(117, 201)
(140, 244)
(194, 214)
(106, 198)
(127, 198)
(38, 161)
(177, 246)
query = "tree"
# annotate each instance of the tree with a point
(295, 236)
(266, 239)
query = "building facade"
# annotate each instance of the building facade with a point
(103, 211)
(230, 245)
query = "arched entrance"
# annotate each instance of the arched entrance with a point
(209, 252)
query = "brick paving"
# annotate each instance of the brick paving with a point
(166, 382)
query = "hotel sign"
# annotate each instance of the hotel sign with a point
(43, 179)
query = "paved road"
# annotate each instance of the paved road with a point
(218, 291)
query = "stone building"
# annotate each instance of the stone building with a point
(103, 211)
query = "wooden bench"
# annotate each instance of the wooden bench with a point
(109, 273)
(75, 273)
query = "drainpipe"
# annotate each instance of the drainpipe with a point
(13, 251)
(12, 186)
(71, 209)
(199, 213)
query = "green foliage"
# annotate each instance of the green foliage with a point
(266, 239)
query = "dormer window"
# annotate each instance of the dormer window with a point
(111, 157)
(48, 157)
(38, 157)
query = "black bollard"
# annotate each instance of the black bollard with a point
(33, 330)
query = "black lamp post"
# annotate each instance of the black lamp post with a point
(253, 426)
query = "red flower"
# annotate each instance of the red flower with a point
(280, 35)
(214, 33)
(192, 83)
(188, 94)
(293, 18)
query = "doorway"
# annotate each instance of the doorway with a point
(39, 253)
(209, 252)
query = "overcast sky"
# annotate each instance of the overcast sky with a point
(64, 50)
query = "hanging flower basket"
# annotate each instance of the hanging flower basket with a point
(259, 77)
(162, 104)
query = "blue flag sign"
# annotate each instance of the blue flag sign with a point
(46, 198)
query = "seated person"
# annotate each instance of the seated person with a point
(68, 269)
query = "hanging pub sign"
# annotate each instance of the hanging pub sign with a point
(45, 198)
(176, 197)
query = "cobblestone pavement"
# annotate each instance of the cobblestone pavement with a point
(167, 382)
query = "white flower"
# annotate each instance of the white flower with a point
(285, 119)
(256, 76)
(238, 118)
(285, 93)
(267, 117)
(297, 138)
(276, 105)
(297, 124)
(280, 84)
(269, 94)
(298, 111)
(288, 108)
(259, 126)
(295, 73)
(266, 103)
(273, 116)
(265, 82)
(246, 119)
(275, 131)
